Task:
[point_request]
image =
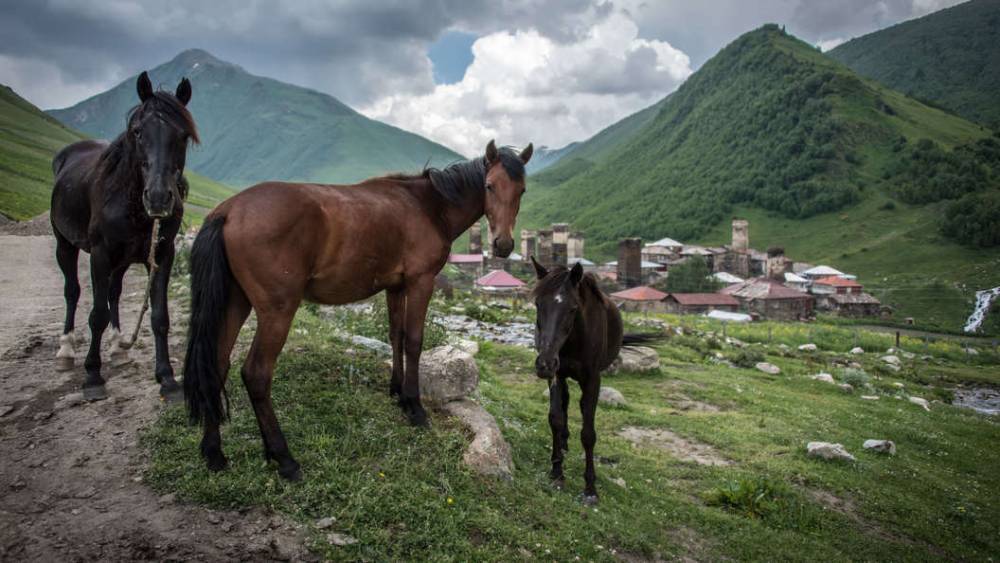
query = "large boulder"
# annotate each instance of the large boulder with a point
(880, 446)
(768, 368)
(612, 397)
(808, 347)
(447, 373)
(635, 358)
(891, 359)
(857, 350)
(488, 454)
(824, 377)
(828, 451)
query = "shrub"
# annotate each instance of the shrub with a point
(746, 358)
(761, 498)
(888, 206)
(857, 378)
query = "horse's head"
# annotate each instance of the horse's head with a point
(159, 129)
(557, 302)
(504, 187)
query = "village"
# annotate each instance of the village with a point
(752, 284)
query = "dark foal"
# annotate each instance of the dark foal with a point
(578, 333)
(275, 244)
(104, 201)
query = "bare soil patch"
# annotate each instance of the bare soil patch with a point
(682, 448)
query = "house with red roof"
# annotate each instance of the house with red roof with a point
(770, 299)
(836, 284)
(499, 281)
(640, 298)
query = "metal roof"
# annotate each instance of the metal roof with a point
(499, 278)
(640, 293)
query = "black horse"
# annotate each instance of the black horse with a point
(105, 199)
(578, 333)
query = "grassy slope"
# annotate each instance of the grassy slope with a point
(255, 128)
(28, 140)
(945, 57)
(671, 179)
(404, 493)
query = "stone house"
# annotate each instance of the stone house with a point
(770, 299)
(699, 303)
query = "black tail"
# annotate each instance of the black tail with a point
(641, 338)
(210, 279)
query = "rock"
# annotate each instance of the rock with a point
(214, 518)
(169, 498)
(892, 367)
(828, 451)
(365, 342)
(855, 365)
(45, 415)
(972, 351)
(489, 453)
(870, 397)
(857, 350)
(284, 548)
(340, 540)
(808, 347)
(635, 358)
(324, 523)
(447, 374)
(768, 368)
(846, 387)
(6, 409)
(907, 355)
(470, 347)
(69, 401)
(620, 482)
(921, 402)
(898, 384)
(612, 397)
(890, 359)
(824, 377)
(880, 446)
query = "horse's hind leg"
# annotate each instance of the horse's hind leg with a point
(119, 353)
(588, 436)
(236, 314)
(66, 256)
(558, 396)
(100, 280)
(258, 372)
(396, 301)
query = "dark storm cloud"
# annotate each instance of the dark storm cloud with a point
(354, 50)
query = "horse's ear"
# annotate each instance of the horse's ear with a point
(184, 91)
(540, 270)
(527, 152)
(492, 154)
(144, 87)
(576, 274)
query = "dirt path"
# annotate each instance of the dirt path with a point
(71, 472)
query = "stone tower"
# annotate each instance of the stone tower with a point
(630, 262)
(529, 244)
(741, 235)
(476, 238)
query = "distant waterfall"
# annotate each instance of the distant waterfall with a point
(984, 299)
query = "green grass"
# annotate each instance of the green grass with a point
(404, 493)
(29, 139)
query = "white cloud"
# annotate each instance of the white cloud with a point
(827, 44)
(523, 86)
(45, 85)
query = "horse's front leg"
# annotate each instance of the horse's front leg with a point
(558, 399)
(396, 301)
(117, 347)
(160, 318)
(100, 280)
(588, 436)
(418, 296)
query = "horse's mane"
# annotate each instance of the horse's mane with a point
(452, 181)
(117, 165)
(558, 276)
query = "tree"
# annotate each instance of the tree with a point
(692, 276)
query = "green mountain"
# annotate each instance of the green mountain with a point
(773, 130)
(29, 139)
(543, 157)
(254, 128)
(950, 58)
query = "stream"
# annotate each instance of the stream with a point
(982, 399)
(984, 299)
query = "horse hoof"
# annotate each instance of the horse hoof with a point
(95, 393)
(64, 364)
(291, 473)
(172, 395)
(418, 418)
(217, 463)
(589, 500)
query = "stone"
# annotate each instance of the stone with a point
(488, 453)
(898, 384)
(169, 498)
(620, 482)
(324, 523)
(846, 387)
(824, 377)
(69, 401)
(214, 518)
(892, 367)
(880, 446)
(370, 343)
(44, 415)
(972, 351)
(635, 359)
(340, 540)
(6, 409)
(855, 365)
(921, 402)
(890, 359)
(447, 374)
(828, 451)
(808, 347)
(611, 397)
(857, 350)
(870, 397)
(768, 368)
(470, 347)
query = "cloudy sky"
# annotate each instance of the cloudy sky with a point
(457, 71)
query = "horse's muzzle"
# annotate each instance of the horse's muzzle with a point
(502, 247)
(546, 368)
(158, 204)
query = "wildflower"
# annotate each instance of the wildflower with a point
(451, 500)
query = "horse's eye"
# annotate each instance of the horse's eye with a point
(489, 187)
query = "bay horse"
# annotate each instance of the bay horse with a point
(578, 333)
(104, 201)
(275, 244)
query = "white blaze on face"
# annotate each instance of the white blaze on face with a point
(559, 298)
